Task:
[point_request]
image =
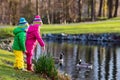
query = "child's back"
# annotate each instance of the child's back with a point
(20, 37)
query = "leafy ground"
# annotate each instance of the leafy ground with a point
(8, 73)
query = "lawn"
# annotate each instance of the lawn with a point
(8, 73)
(109, 26)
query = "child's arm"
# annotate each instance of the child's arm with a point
(39, 39)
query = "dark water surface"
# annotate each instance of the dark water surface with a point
(105, 58)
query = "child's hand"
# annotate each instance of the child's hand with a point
(43, 49)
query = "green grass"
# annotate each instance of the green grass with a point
(7, 31)
(106, 26)
(109, 26)
(8, 73)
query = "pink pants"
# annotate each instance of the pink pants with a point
(29, 55)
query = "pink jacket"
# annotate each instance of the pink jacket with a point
(33, 35)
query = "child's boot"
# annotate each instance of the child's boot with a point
(29, 67)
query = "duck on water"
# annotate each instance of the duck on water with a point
(84, 65)
(59, 59)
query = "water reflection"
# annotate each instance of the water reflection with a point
(105, 59)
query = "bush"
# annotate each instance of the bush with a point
(45, 65)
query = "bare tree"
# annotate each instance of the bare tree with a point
(48, 10)
(104, 10)
(37, 7)
(28, 11)
(79, 10)
(14, 13)
(92, 10)
(116, 8)
(110, 8)
(56, 11)
(100, 8)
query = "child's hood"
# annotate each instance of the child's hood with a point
(18, 29)
(33, 27)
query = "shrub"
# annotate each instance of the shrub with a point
(45, 65)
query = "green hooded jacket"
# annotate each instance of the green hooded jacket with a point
(19, 38)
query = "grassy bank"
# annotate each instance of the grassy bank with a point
(8, 73)
(108, 26)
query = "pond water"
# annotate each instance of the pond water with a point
(105, 58)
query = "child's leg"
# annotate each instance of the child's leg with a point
(19, 60)
(29, 61)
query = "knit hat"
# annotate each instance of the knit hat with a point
(37, 19)
(22, 21)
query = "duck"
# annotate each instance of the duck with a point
(83, 65)
(59, 59)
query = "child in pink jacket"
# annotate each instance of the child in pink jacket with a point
(32, 36)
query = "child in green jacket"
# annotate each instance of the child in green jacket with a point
(19, 43)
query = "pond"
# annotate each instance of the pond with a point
(104, 57)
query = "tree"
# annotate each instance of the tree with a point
(105, 8)
(37, 7)
(56, 11)
(100, 8)
(92, 10)
(116, 8)
(28, 11)
(48, 10)
(110, 8)
(79, 10)
(14, 14)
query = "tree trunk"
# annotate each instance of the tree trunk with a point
(52, 12)
(79, 10)
(48, 10)
(92, 10)
(88, 8)
(100, 8)
(37, 7)
(110, 8)
(65, 11)
(105, 8)
(3, 13)
(10, 15)
(116, 8)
